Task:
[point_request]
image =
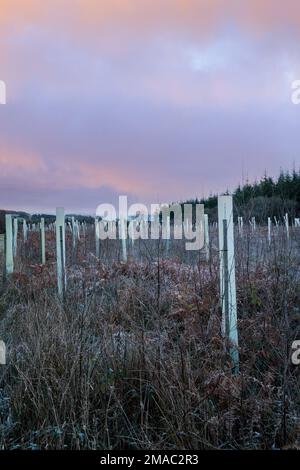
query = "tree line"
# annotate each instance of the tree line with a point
(269, 197)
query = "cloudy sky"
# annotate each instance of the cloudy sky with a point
(161, 100)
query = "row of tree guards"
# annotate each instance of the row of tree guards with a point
(226, 252)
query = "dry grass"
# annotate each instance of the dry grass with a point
(134, 358)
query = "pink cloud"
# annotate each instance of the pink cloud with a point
(159, 98)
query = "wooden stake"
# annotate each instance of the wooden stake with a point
(97, 237)
(123, 236)
(206, 237)
(9, 256)
(61, 251)
(269, 230)
(15, 236)
(25, 230)
(241, 225)
(287, 228)
(227, 276)
(43, 241)
(2, 353)
(168, 234)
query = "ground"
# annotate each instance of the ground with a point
(133, 357)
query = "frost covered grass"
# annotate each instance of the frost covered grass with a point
(134, 358)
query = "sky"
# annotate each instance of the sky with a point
(160, 100)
